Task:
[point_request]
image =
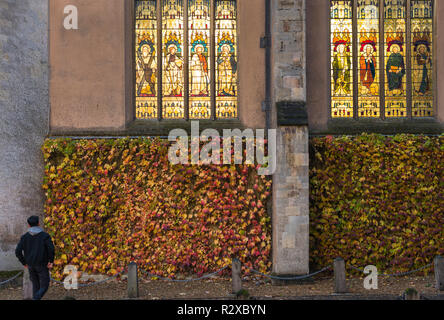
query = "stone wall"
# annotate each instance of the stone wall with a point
(95, 87)
(290, 182)
(23, 118)
(289, 49)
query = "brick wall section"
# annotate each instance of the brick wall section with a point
(290, 182)
(23, 118)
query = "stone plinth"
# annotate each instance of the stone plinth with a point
(291, 199)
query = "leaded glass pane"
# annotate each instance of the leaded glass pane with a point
(146, 59)
(341, 59)
(173, 59)
(226, 60)
(368, 67)
(395, 58)
(199, 43)
(422, 58)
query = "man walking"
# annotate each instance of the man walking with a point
(36, 252)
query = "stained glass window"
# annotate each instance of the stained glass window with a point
(173, 59)
(342, 58)
(199, 22)
(422, 54)
(226, 69)
(146, 60)
(395, 58)
(368, 37)
(382, 58)
(186, 59)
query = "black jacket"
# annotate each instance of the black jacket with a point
(35, 249)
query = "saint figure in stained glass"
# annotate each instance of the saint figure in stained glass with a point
(227, 66)
(146, 69)
(200, 59)
(395, 67)
(146, 60)
(342, 86)
(368, 64)
(174, 70)
(341, 66)
(422, 58)
(422, 63)
(199, 71)
(226, 58)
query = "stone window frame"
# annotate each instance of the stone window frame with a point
(408, 57)
(162, 125)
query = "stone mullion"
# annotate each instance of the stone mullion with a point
(381, 60)
(330, 67)
(435, 58)
(159, 59)
(355, 60)
(186, 59)
(213, 58)
(408, 53)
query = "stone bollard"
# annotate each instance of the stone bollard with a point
(439, 273)
(27, 285)
(411, 294)
(133, 281)
(236, 276)
(339, 270)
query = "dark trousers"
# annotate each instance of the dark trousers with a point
(40, 281)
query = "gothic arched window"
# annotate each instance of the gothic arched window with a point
(186, 59)
(382, 59)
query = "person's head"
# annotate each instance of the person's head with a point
(199, 49)
(341, 48)
(395, 48)
(369, 49)
(172, 49)
(33, 221)
(422, 49)
(226, 49)
(145, 50)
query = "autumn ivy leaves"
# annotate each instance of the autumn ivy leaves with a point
(373, 200)
(377, 200)
(113, 201)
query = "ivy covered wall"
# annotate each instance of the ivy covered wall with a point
(377, 200)
(113, 201)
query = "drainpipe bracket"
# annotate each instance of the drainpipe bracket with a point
(265, 42)
(266, 106)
